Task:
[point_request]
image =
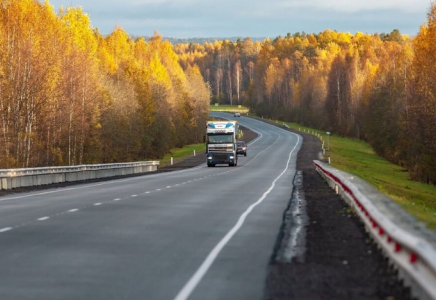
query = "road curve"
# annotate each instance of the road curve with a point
(201, 233)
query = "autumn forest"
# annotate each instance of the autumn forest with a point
(69, 95)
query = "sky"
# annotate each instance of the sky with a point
(251, 18)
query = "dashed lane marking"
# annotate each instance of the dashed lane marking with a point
(73, 210)
(97, 204)
(5, 229)
(43, 218)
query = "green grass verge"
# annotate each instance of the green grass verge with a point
(229, 108)
(358, 158)
(181, 153)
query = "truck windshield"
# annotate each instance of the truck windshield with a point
(220, 138)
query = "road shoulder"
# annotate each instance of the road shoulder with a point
(341, 261)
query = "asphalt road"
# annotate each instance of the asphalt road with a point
(200, 233)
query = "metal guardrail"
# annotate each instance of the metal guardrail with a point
(13, 178)
(407, 243)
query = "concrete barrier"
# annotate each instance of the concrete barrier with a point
(15, 178)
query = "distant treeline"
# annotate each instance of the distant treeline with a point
(203, 40)
(380, 87)
(69, 95)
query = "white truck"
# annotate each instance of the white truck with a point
(221, 147)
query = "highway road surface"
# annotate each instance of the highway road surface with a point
(200, 233)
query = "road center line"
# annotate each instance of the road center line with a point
(43, 218)
(5, 229)
(190, 286)
(73, 210)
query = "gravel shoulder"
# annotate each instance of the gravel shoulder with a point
(341, 261)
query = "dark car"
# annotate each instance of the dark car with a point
(242, 148)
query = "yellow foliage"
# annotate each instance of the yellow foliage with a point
(159, 73)
(78, 29)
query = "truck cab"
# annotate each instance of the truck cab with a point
(221, 139)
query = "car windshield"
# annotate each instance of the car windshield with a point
(240, 144)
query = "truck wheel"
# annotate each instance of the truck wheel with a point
(210, 165)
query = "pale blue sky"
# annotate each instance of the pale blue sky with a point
(254, 18)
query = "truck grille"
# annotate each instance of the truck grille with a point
(220, 157)
(221, 149)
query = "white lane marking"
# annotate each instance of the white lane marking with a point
(5, 229)
(158, 189)
(133, 196)
(97, 204)
(43, 218)
(147, 192)
(190, 286)
(117, 199)
(169, 186)
(73, 210)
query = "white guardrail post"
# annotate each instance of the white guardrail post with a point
(407, 243)
(15, 178)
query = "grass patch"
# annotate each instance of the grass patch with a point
(230, 108)
(358, 158)
(180, 153)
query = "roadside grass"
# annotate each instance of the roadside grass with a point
(358, 158)
(179, 154)
(229, 108)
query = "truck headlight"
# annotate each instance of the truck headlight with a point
(209, 157)
(232, 157)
